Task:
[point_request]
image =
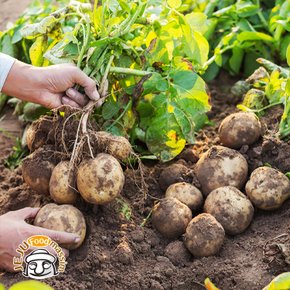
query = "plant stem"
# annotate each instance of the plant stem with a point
(267, 107)
(129, 71)
(85, 44)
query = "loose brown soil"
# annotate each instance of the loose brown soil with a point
(120, 254)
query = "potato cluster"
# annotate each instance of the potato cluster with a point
(97, 180)
(222, 173)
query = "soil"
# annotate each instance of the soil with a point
(119, 253)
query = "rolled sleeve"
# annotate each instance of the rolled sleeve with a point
(6, 63)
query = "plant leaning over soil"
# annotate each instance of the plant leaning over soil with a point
(146, 53)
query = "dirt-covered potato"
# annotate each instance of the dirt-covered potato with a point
(65, 218)
(174, 173)
(240, 129)
(62, 184)
(231, 208)
(221, 166)
(268, 188)
(100, 180)
(117, 146)
(37, 170)
(186, 193)
(171, 217)
(204, 235)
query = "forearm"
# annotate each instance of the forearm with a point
(6, 62)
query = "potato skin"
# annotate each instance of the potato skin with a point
(61, 183)
(171, 217)
(37, 171)
(232, 209)
(268, 188)
(204, 235)
(221, 166)
(64, 218)
(186, 193)
(240, 129)
(100, 180)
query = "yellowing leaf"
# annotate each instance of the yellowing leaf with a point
(209, 285)
(37, 49)
(281, 282)
(170, 109)
(174, 3)
(175, 143)
(30, 285)
(288, 55)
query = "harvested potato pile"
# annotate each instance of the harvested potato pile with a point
(240, 129)
(221, 166)
(268, 188)
(65, 218)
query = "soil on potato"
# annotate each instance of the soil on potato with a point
(120, 254)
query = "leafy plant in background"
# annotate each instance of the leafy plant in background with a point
(151, 50)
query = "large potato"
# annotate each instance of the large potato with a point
(221, 166)
(100, 180)
(204, 235)
(62, 184)
(240, 129)
(171, 217)
(186, 193)
(37, 170)
(268, 188)
(65, 218)
(231, 208)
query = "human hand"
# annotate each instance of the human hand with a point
(14, 230)
(50, 86)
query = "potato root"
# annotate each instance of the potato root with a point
(37, 170)
(186, 193)
(232, 209)
(204, 235)
(240, 129)
(65, 218)
(62, 184)
(100, 180)
(221, 166)
(171, 217)
(268, 188)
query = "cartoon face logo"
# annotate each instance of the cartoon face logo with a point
(40, 264)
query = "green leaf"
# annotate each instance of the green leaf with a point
(251, 35)
(185, 80)
(246, 8)
(288, 55)
(110, 109)
(236, 59)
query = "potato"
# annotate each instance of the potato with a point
(100, 180)
(231, 208)
(186, 193)
(37, 170)
(240, 129)
(221, 166)
(172, 174)
(65, 218)
(171, 217)
(117, 146)
(62, 184)
(204, 235)
(268, 188)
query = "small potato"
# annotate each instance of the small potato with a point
(65, 218)
(171, 217)
(221, 166)
(117, 146)
(240, 129)
(61, 184)
(204, 235)
(172, 174)
(100, 180)
(186, 193)
(37, 170)
(268, 188)
(231, 208)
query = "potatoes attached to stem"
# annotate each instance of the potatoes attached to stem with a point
(171, 217)
(100, 180)
(268, 188)
(221, 166)
(231, 208)
(65, 218)
(204, 235)
(240, 129)
(62, 184)
(186, 193)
